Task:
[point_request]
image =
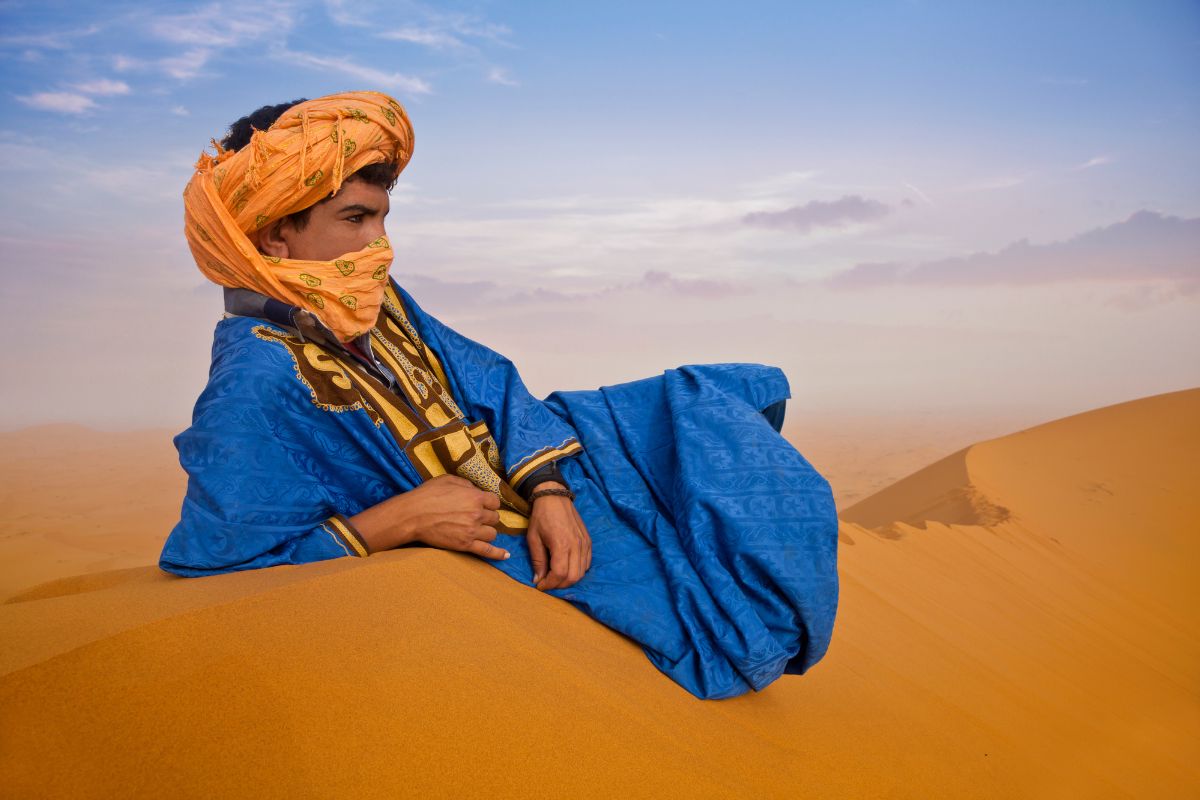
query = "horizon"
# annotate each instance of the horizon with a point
(912, 208)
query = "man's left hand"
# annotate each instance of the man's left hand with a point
(557, 539)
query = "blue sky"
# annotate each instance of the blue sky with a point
(906, 205)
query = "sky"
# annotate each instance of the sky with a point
(933, 208)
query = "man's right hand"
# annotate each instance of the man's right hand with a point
(447, 512)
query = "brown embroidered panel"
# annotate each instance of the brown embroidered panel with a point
(453, 450)
(432, 432)
(340, 385)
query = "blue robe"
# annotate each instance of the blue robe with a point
(713, 540)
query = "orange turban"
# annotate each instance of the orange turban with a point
(301, 159)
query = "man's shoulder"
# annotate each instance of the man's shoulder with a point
(254, 351)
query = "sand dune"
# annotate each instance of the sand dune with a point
(1017, 620)
(76, 501)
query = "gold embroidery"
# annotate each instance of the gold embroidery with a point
(321, 360)
(436, 445)
(418, 380)
(325, 401)
(542, 457)
(350, 538)
(459, 443)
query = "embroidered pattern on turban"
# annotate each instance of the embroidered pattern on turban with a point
(303, 158)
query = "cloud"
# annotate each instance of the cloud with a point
(122, 63)
(920, 194)
(61, 102)
(103, 86)
(180, 111)
(468, 26)
(187, 65)
(1094, 162)
(209, 30)
(657, 280)
(820, 214)
(456, 35)
(423, 25)
(500, 76)
(999, 182)
(369, 75)
(475, 294)
(1147, 246)
(489, 294)
(778, 185)
(218, 25)
(184, 66)
(55, 40)
(429, 37)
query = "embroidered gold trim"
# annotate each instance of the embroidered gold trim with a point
(349, 536)
(530, 463)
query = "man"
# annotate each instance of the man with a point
(341, 419)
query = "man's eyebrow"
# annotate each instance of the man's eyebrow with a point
(358, 208)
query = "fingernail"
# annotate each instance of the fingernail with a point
(535, 578)
(507, 554)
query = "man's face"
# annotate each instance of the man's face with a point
(345, 223)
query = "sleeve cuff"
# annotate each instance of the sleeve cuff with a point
(348, 537)
(526, 466)
(543, 474)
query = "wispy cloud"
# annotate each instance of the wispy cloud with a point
(460, 36)
(501, 76)
(103, 86)
(488, 294)
(820, 214)
(369, 75)
(183, 66)
(50, 40)
(919, 194)
(778, 185)
(124, 63)
(1147, 246)
(60, 102)
(186, 65)
(998, 182)
(429, 37)
(657, 280)
(423, 24)
(220, 25)
(208, 31)
(1094, 162)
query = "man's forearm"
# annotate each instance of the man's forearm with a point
(385, 526)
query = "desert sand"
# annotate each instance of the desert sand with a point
(1017, 619)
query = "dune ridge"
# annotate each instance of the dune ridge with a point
(1017, 620)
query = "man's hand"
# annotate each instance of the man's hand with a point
(446, 512)
(557, 538)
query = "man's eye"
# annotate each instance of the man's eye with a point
(357, 218)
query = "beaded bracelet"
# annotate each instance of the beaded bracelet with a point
(536, 493)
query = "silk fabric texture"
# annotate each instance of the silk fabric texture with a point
(303, 158)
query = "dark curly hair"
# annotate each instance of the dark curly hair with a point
(382, 174)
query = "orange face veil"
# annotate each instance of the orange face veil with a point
(301, 159)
